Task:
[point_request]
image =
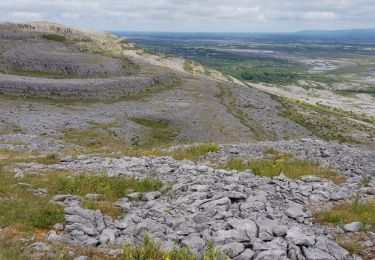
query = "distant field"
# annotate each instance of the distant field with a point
(280, 59)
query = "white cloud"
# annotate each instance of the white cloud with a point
(319, 15)
(69, 15)
(26, 15)
(193, 15)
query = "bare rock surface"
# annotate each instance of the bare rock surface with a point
(80, 88)
(58, 58)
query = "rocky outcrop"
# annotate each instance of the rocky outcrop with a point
(347, 159)
(60, 59)
(81, 88)
(248, 217)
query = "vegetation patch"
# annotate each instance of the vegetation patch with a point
(152, 251)
(349, 212)
(109, 188)
(293, 169)
(11, 250)
(105, 207)
(274, 154)
(54, 37)
(159, 132)
(327, 123)
(49, 159)
(20, 208)
(195, 152)
(229, 101)
(97, 138)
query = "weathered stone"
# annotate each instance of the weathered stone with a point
(271, 255)
(295, 210)
(116, 252)
(296, 235)
(151, 196)
(248, 226)
(353, 227)
(232, 249)
(316, 254)
(107, 236)
(246, 255)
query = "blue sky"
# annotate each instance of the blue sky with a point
(196, 15)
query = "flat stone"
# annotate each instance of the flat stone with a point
(280, 230)
(271, 255)
(331, 247)
(316, 254)
(233, 235)
(92, 196)
(248, 226)
(107, 236)
(116, 252)
(134, 196)
(295, 210)
(151, 196)
(296, 235)
(232, 249)
(353, 227)
(246, 255)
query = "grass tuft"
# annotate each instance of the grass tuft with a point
(151, 250)
(49, 159)
(349, 212)
(293, 169)
(109, 188)
(54, 37)
(160, 132)
(195, 152)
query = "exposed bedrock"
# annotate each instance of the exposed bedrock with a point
(81, 88)
(58, 58)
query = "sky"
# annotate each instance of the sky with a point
(196, 15)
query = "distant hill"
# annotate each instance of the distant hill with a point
(339, 35)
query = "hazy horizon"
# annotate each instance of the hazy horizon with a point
(251, 16)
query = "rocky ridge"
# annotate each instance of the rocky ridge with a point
(247, 216)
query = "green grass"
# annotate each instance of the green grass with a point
(54, 37)
(29, 213)
(9, 250)
(229, 101)
(160, 133)
(21, 209)
(274, 154)
(152, 251)
(293, 169)
(327, 123)
(349, 212)
(109, 188)
(49, 159)
(195, 152)
(105, 207)
(96, 138)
